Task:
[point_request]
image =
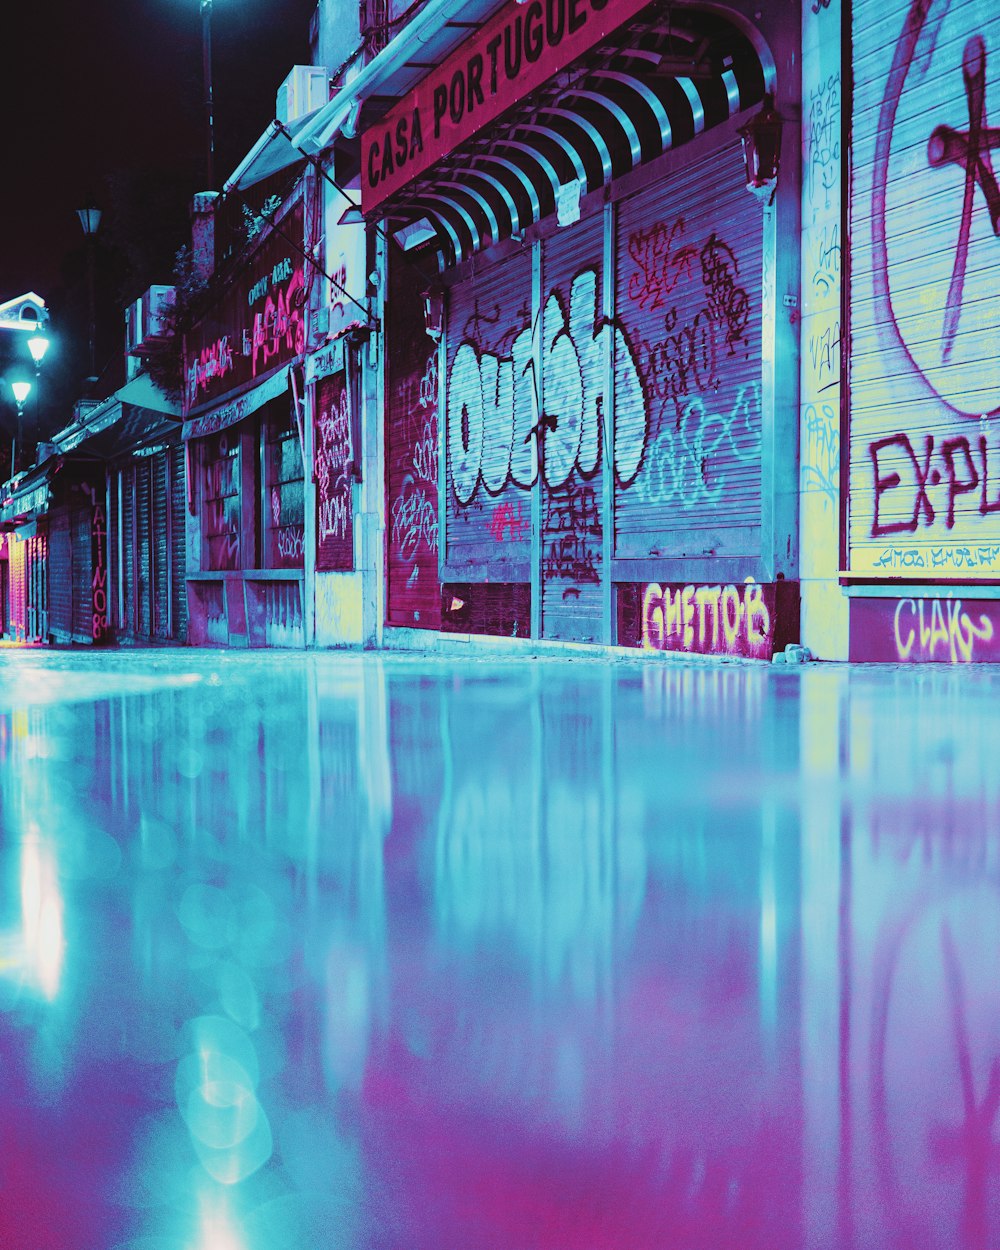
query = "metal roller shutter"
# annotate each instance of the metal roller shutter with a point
(128, 549)
(161, 569)
(574, 367)
(688, 369)
(178, 564)
(143, 552)
(114, 562)
(60, 575)
(17, 557)
(79, 527)
(924, 311)
(412, 398)
(490, 412)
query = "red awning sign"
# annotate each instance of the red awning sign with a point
(514, 53)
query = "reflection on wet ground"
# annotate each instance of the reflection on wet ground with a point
(345, 951)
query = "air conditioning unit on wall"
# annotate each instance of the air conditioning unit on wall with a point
(146, 320)
(306, 88)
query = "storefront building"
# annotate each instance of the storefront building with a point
(901, 379)
(127, 572)
(56, 535)
(586, 434)
(243, 436)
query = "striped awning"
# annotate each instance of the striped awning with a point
(666, 77)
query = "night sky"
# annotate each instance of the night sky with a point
(104, 98)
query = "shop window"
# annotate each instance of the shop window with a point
(284, 522)
(221, 519)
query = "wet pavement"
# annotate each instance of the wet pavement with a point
(373, 952)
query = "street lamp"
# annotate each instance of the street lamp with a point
(206, 66)
(38, 345)
(762, 149)
(90, 220)
(21, 390)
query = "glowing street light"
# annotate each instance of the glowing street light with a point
(21, 389)
(21, 392)
(38, 345)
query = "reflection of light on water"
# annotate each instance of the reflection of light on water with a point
(541, 868)
(768, 925)
(41, 915)
(216, 1228)
(215, 1089)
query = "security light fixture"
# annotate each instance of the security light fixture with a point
(762, 149)
(434, 312)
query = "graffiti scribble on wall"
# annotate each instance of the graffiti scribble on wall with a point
(707, 620)
(926, 304)
(571, 535)
(414, 510)
(944, 631)
(334, 460)
(493, 418)
(695, 333)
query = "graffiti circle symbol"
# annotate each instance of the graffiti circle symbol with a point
(936, 207)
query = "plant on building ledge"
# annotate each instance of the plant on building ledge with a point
(255, 222)
(166, 364)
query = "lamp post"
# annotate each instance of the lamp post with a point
(206, 65)
(38, 345)
(90, 220)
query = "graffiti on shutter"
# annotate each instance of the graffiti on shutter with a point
(493, 420)
(575, 359)
(414, 586)
(925, 303)
(114, 560)
(689, 296)
(706, 620)
(334, 463)
(490, 415)
(99, 570)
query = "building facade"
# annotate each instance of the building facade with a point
(505, 338)
(901, 331)
(589, 385)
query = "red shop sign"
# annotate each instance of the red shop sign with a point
(521, 47)
(257, 324)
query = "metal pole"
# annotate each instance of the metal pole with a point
(206, 57)
(90, 299)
